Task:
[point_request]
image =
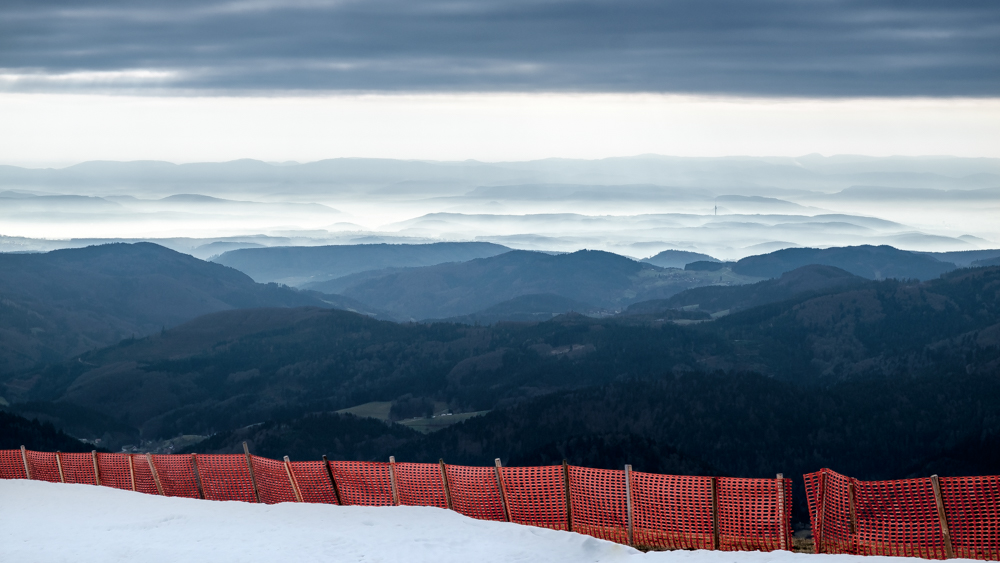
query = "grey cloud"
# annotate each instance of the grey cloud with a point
(778, 47)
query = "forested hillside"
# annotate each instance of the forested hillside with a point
(59, 304)
(876, 378)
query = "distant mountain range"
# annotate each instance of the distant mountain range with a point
(734, 174)
(677, 258)
(311, 265)
(872, 262)
(599, 279)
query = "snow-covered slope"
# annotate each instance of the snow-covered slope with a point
(82, 523)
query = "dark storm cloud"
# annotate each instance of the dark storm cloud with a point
(779, 47)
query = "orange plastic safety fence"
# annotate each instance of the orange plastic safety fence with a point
(420, 484)
(11, 465)
(901, 518)
(898, 518)
(226, 477)
(972, 505)
(314, 482)
(364, 483)
(272, 481)
(77, 468)
(43, 466)
(114, 472)
(536, 496)
(176, 474)
(143, 476)
(831, 511)
(474, 492)
(671, 511)
(749, 512)
(598, 503)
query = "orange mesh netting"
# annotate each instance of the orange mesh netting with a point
(474, 492)
(364, 483)
(898, 518)
(226, 477)
(314, 482)
(272, 480)
(598, 503)
(972, 505)
(77, 468)
(749, 514)
(176, 474)
(43, 466)
(11, 465)
(114, 471)
(836, 535)
(671, 511)
(668, 511)
(420, 484)
(901, 518)
(143, 476)
(536, 495)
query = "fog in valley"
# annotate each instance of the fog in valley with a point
(727, 208)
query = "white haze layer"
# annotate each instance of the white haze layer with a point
(635, 206)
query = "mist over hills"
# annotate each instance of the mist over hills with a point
(367, 175)
(728, 208)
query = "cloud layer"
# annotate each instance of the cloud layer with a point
(735, 47)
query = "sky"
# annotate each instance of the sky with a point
(495, 79)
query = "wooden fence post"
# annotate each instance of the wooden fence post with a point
(97, 471)
(156, 476)
(197, 476)
(716, 543)
(500, 487)
(333, 482)
(782, 520)
(292, 480)
(852, 507)
(949, 552)
(131, 471)
(62, 476)
(253, 478)
(447, 489)
(392, 480)
(569, 503)
(628, 503)
(821, 517)
(24, 458)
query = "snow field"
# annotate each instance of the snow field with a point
(49, 522)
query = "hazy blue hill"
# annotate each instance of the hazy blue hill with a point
(534, 307)
(677, 258)
(64, 302)
(301, 265)
(965, 258)
(872, 262)
(807, 279)
(600, 278)
(987, 262)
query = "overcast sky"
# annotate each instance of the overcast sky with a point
(507, 58)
